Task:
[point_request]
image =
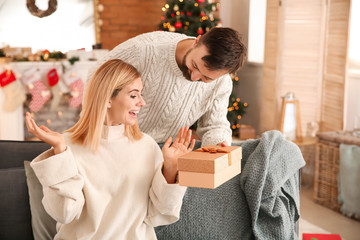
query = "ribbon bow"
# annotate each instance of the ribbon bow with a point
(215, 150)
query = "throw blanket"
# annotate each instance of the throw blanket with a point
(348, 180)
(260, 203)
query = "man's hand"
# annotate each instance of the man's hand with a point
(223, 144)
(171, 153)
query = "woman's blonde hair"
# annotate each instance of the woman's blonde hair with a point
(106, 82)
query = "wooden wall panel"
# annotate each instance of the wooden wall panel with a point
(269, 104)
(301, 55)
(123, 19)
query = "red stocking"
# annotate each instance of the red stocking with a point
(76, 85)
(40, 94)
(13, 93)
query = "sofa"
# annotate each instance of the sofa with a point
(259, 203)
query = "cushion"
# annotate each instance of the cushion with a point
(13, 153)
(43, 226)
(15, 219)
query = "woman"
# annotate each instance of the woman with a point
(103, 178)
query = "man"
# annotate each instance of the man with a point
(185, 79)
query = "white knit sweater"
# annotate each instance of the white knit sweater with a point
(118, 193)
(172, 101)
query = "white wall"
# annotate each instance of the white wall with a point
(235, 14)
(70, 27)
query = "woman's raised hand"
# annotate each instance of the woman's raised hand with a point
(55, 139)
(182, 144)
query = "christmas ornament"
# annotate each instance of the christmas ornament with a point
(46, 55)
(13, 93)
(53, 79)
(40, 94)
(76, 85)
(200, 31)
(178, 25)
(197, 13)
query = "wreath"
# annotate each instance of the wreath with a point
(34, 10)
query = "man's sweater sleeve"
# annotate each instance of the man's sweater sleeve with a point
(213, 126)
(165, 199)
(62, 185)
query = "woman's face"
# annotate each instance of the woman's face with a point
(124, 107)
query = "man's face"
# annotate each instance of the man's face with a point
(193, 67)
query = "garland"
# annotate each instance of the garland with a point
(34, 10)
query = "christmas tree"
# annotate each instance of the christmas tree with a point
(236, 109)
(191, 17)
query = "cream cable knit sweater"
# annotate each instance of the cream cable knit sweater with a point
(172, 101)
(118, 193)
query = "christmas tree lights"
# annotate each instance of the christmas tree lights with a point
(236, 109)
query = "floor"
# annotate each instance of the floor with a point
(318, 219)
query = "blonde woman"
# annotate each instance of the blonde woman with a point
(103, 178)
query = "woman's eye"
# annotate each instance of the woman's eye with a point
(133, 96)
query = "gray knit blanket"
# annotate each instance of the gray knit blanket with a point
(262, 202)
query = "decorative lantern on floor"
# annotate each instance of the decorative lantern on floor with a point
(290, 124)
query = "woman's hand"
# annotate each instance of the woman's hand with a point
(55, 139)
(182, 144)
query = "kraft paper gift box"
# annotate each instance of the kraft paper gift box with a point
(205, 169)
(246, 132)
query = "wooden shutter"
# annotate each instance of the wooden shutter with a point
(335, 62)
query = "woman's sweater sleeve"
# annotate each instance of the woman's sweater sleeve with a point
(62, 185)
(165, 199)
(214, 127)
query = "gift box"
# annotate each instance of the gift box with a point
(315, 236)
(246, 132)
(210, 166)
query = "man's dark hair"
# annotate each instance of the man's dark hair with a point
(226, 50)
